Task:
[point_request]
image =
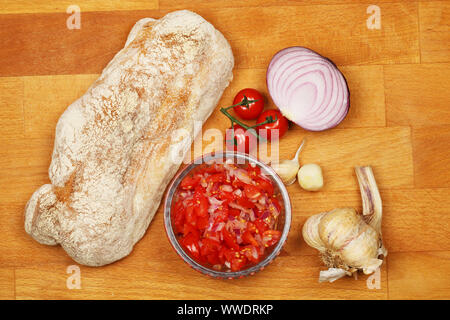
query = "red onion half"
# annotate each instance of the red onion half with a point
(308, 89)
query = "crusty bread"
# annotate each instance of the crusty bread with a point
(111, 160)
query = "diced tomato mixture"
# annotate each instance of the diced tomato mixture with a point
(225, 215)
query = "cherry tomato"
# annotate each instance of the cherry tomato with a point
(281, 124)
(254, 109)
(241, 140)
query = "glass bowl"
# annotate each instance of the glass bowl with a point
(284, 219)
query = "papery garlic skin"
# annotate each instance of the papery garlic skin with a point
(349, 241)
(311, 230)
(287, 170)
(310, 177)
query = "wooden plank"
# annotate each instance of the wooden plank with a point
(434, 31)
(417, 94)
(24, 166)
(367, 104)
(288, 26)
(338, 151)
(11, 102)
(6, 283)
(18, 248)
(416, 220)
(409, 217)
(247, 30)
(419, 275)
(41, 44)
(47, 97)
(432, 156)
(35, 6)
(181, 4)
(167, 279)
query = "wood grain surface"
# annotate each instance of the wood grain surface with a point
(399, 123)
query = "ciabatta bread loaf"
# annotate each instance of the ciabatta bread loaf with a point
(111, 160)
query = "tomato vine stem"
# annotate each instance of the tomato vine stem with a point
(245, 102)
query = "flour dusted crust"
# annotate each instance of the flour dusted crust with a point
(111, 160)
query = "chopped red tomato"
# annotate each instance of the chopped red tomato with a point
(218, 177)
(234, 212)
(265, 185)
(202, 222)
(251, 191)
(254, 171)
(201, 206)
(244, 202)
(189, 229)
(210, 247)
(229, 240)
(248, 238)
(189, 182)
(190, 242)
(270, 237)
(224, 215)
(251, 253)
(238, 263)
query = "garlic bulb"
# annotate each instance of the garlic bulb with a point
(287, 169)
(348, 241)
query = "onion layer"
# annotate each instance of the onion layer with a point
(308, 89)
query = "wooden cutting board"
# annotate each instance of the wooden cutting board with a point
(399, 123)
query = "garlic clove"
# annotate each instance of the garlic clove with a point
(372, 265)
(310, 177)
(337, 227)
(310, 232)
(287, 170)
(332, 274)
(360, 251)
